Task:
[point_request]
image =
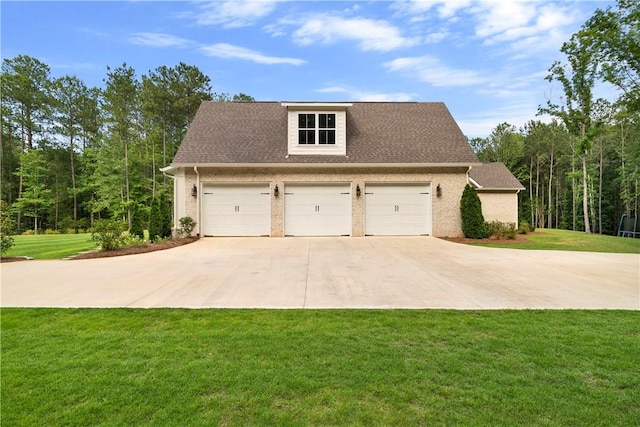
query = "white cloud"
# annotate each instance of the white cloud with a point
(364, 96)
(158, 40)
(371, 35)
(433, 71)
(224, 50)
(234, 13)
(519, 25)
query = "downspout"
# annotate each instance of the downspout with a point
(198, 204)
(175, 198)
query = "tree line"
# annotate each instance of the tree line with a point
(71, 153)
(581, 169)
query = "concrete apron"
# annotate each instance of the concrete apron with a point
(327, 272)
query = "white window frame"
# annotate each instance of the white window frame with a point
(316, 129)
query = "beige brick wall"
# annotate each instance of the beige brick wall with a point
(499, 206)
(446, 209)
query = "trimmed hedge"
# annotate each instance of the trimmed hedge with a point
(473, 225)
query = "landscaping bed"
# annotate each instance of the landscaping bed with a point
(132, 250)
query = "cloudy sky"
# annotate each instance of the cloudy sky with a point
(485, 59)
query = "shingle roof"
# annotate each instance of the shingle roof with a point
(494, 176)
(377, 132)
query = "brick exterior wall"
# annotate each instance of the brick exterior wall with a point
(445, 209)
(499, 206)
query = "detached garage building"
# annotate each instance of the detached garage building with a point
(322, 169)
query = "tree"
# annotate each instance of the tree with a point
(577, 79)
(137, 221)
(36, 197)
(25, 93)
(121, 107)
(473, 225)
(159, 219)
(70, 96)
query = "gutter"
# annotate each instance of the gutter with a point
(165, 171)
(198, 204)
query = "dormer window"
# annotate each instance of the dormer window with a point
(316, 128)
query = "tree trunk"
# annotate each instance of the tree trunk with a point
(550, 195)
(600, 191)
(533, 221)
(73, 179)
(126, 181)
(585, 194)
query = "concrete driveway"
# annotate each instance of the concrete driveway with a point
(324, 272)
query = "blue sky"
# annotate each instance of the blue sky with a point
(485, 59)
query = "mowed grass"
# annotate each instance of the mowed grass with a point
(565, 240)
(324, 367)
(51, 246)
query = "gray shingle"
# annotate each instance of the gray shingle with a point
(377, 132)
(495, 176)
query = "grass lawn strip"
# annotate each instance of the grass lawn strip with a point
(326, 367)
(51, 246)
(564, 240)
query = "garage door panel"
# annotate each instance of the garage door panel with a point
(236, 210)
(317, 210)
(402, 209)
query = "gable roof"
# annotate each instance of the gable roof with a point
(494, 176)
(227, 133)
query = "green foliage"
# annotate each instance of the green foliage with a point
(137, 221)
(525, 227)
(187, 224)
(132, 240)
(159, 219)
(108, 233)
(501, 230)
(7, 226)
(473, 225)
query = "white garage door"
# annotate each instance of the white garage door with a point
(236, 210)
(397, 209)
(317, 210)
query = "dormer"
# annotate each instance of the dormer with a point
(317, 128)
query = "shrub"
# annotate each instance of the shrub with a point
(7, 225)
(523, 227)
(501, 230)
(473, 225)
(159, 219)
(28, 232)
(187, 224)
(50, 231)
(137, 221)
(108, 232)
(131, 240)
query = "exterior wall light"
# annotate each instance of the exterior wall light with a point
(194, 191)
(358, 190)
(438, 191)
(276, 192)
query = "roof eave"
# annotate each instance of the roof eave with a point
(324, 165)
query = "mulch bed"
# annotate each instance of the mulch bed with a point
(132, 250)
(520, 238)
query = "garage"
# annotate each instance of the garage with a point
(236, 210)
(317, 209)
(397, 209)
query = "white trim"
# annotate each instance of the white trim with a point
(316, 104)
(325, 165)
(475, 183)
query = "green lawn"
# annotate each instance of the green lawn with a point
(323, 367)
(50, 246)
(564, 240)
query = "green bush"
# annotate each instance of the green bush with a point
(7, 225)
(28, 232)
(108, 233)
(159, 219)
(131, 240)
(50, 231)
(187, 224)
(473, 225)
(137, 221)
(524, 227)
(501, 230)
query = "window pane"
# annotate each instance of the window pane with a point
(327, 121)
(331, 137)
(322, 135)
(306, 121)
(306, 137)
